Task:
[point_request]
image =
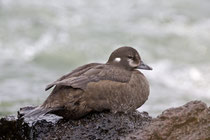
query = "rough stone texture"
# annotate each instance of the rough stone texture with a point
(188, 122)
(94, 126)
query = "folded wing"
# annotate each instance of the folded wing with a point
(94, 72)
(66, 79)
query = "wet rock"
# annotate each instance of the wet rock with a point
(188, 122)
(8, 128)
(94, 126)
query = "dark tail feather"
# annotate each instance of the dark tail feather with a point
(35, 113)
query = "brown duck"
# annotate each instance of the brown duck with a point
(116, 86)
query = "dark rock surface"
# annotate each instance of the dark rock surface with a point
(190, 121)
(94, 126)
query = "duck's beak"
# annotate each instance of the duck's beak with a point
(144, 66)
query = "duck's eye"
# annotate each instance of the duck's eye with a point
(130, 57)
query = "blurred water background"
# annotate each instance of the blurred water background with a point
(42, 40)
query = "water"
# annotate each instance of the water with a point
(42, 40)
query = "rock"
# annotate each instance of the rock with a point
(188, 122)
(94, 126)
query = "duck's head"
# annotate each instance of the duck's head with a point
(127, 58)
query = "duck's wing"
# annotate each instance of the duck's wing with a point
(75, 73)
(94, 74)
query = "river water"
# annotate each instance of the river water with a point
(42, 40)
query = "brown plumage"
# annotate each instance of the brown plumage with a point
(115, 86)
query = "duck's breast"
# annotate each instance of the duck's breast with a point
(118, 96)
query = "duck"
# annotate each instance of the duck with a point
(114, 86)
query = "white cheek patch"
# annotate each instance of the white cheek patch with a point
(117, 59)
(131, 63)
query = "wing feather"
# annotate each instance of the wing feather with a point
(92, 73)
(77, 72)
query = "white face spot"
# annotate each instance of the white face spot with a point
(117, 59)
(132, 64)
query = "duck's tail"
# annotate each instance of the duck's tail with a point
(36, 112)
